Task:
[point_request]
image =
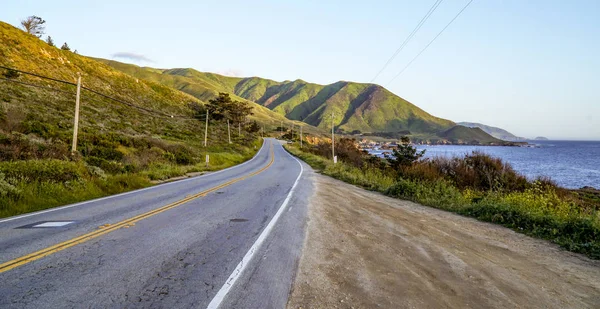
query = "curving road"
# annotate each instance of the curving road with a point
(229, 239)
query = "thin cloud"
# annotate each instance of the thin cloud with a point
(231, 73)
(132, 57)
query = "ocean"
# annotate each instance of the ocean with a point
(571, 164)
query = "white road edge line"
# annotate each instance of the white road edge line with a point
(237, 272)
(132, 192)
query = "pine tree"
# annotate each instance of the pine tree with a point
(65, 47)
(50, 41)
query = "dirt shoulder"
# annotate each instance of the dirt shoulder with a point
(365, 250)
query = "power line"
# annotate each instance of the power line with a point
(410, 36)
(33, 85)
(419, 54)
(88, 89)
(40, 76)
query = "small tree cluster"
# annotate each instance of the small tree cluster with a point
(224, 108)
(50, 41)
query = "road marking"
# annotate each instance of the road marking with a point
(237, 272)
(53, 224)
(130, 192)
(107, 228)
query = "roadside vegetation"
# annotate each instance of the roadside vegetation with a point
(475, 185)
(38, 170)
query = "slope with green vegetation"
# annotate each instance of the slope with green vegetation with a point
(148, 133)
(355, 106)
(206, 86)
(493, 131)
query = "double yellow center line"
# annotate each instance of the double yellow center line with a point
(105, 229)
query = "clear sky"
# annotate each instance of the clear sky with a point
(529, 66)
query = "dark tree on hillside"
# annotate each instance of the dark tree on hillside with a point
(50, 41)
(223, 107)
(253, 127)
(198, 110)
(65, 47)
(405, 155)
(34, 25)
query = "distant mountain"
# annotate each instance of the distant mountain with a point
(541, 138)
(356, 106)
(464, 135)
(493, 131)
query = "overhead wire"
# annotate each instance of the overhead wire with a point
(33, 85)
(430, 42)
(410, 36)
(87, 89)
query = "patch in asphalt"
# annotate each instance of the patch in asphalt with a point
(46, 224)
(238, 220)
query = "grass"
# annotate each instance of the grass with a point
(34, 185)
(540, 210)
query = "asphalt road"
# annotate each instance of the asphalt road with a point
(205, 241)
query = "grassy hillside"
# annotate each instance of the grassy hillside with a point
(493, 131)
(120, 147)
(206, 86)
(356, 106)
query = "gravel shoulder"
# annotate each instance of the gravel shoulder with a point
(366, 250)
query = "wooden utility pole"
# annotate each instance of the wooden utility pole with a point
(228, 131)
(206, 129)
(300, 136)
(332, 140)
(76, 120)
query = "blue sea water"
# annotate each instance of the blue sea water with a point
(571, 164)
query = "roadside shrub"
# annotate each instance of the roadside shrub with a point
(180, 154)
(8, 190)
(39, 128)
(480, 171)
(106, 153)
(20, 147)
(403, 188)
(111, 167)
(345, 149)
(43, 170)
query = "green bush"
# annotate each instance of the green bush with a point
(43, 170)
(8, 190)
(111, 167)
(106, 153)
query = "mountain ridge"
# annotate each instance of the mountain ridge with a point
(355, 106)
(496, 132)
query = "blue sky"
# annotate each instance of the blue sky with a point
(531, 67)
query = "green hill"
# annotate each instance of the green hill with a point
(464, 135)
(206, 86)
(493, 131)
(148, 134)
(356, 106)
